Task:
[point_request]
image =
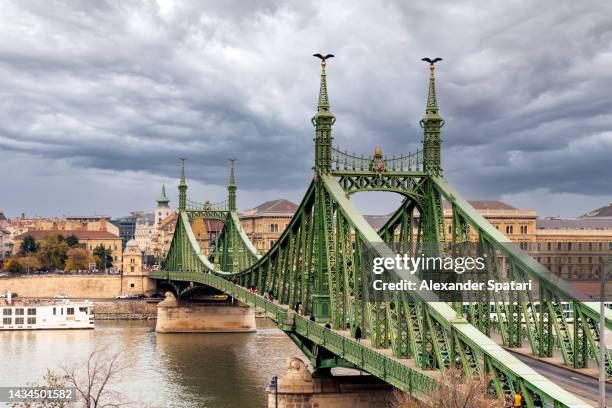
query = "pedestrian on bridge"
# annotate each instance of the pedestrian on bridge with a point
(358, 334)
(312, 318)
(518, 400)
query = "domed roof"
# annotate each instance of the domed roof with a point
(131, 244)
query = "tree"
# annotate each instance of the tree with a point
(76, 258)
(94, 380)
(71, 240)
(28, 245)
(104, 257)
(13, 265)
(29, 263)
(52, 252)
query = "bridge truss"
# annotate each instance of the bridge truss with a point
(412, 338)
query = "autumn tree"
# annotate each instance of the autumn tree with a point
(28, 245)
(76, 259)
(103, 256)
(72, 240)
(29, 263)
(13, 265)
(52, 252)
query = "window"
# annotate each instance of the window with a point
(579, 259)
(548, 246)
(273, 227)
(523, 229)
(7, 312)
(590, 246)
(131, 285)
(54, 311)
(272, 243)
(450, 229)
(19, 320)
(19, 311)
(509, 229)
(70, 311)
(31, 311)
(600, 246)
(7, 320)
(559, 246)
(131, 269)
(569, 246)
(31, 320)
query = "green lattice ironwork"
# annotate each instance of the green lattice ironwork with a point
(319, 262)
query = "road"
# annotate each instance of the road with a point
(582, 386)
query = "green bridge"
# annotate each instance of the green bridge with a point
(411, 338)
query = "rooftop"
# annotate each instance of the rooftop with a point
(88, 217)
(281, 206)
(377, 221)
(487, 205)
(80, 234)
(575, 223)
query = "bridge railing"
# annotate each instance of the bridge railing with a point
(406, 163)
(207, 205)
(386, 368)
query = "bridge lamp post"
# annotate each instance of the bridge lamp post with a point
(274, 384)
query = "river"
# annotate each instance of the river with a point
(164, 370)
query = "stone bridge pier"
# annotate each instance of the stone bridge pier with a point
(179, 316)
(299, 389)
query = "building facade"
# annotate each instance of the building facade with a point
(134, 277)
(265, 223)
(127, 225)
(144, 233)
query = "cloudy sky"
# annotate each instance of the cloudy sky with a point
(99, 99)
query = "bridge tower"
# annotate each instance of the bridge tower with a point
(431, 124)
(323, 121)
(182, 187)
(231, 187)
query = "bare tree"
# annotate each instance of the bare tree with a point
(93, 380)
(455, 391)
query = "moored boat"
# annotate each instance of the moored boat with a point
(45, 314)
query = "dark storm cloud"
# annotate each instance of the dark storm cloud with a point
(524, 88)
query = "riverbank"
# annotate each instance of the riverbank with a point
(124, 310)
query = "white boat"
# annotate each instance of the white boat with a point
(42, 314)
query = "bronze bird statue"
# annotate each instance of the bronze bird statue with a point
(323, 58)
(431, 62)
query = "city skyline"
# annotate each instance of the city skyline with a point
(101, 100)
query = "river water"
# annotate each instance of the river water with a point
(164, 370)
